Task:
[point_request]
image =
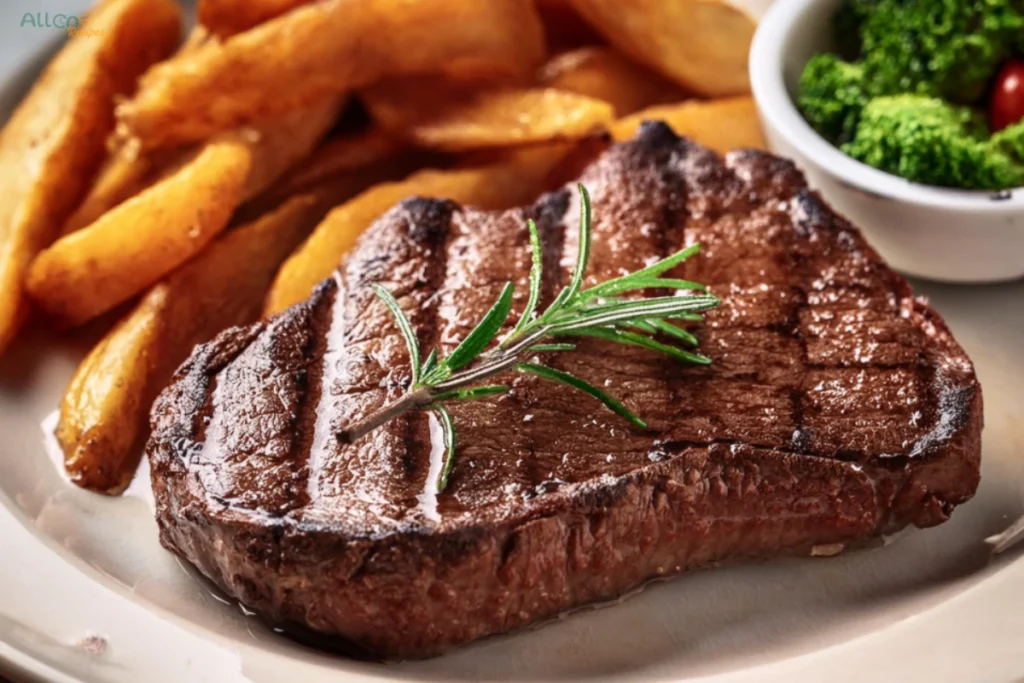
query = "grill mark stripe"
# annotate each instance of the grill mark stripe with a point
(426, 322)
(676, 217)
(308, 392)
(552, 227)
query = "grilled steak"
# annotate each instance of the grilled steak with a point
(838, 408)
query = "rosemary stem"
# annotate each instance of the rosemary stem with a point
(411, 401)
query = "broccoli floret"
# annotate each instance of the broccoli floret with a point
(941, 48)
(832, 96)
(930, 141)
(1010, 141)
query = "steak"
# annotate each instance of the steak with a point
(838, 408)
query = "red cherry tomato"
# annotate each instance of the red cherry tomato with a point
(1007, 105)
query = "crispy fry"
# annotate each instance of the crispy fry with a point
(701, 44)
(520, 177)
(225, 18)
(134, 245)
(721, 125)
(433, 114)
(126, 171)
(324, 49)
(123, 174)
(110, 384)
(54, 141)
(605, 74)
(278, 147)
(104, 411)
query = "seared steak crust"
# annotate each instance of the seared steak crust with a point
(838, 408)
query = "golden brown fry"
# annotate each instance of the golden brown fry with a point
(137, 243)
(104, 412)
(54, 141)
(227, 17)
(110, 384)
(435, 115)
(126, 171)
(132, 246)
(278, 147)
(123, 174)
(701, 44)
(722, 125)
(520, 177)
(324, 49)
(605, 74)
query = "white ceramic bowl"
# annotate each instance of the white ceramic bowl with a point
(929, 232)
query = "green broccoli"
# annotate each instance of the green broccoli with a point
(832, 96)
(941, 48)
(930, 141)
(1010, 141)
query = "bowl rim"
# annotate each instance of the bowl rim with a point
(779, 111)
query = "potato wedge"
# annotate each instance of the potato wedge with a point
(92, 270)
(109, 385)
(104, 412)
(519, 177)
(225, 18)
(432, 114)
(134, 245)
(280, 146)
(702, 45)
(605, 74)
(125, 173)
(324, 49)
(54, 141)
(722, 125)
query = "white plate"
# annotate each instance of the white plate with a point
(87, 593)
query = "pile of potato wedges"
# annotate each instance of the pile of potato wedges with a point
(183, 184)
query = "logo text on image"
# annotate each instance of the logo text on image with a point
(73, 24)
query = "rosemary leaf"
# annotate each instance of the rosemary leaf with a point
(536, 277)
(540, 348)
(613, 404)
(485, 331)
(672, 330)
(644, 326)
(444, 418)
(664, 265)
(582, 254)
(471, 393)
(664, 307)
(633, 284)
(430, 363)
(634, 339)
(405, 327)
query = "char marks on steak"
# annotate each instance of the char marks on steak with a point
(838, 408)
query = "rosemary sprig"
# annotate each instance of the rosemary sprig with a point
(600, 311)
